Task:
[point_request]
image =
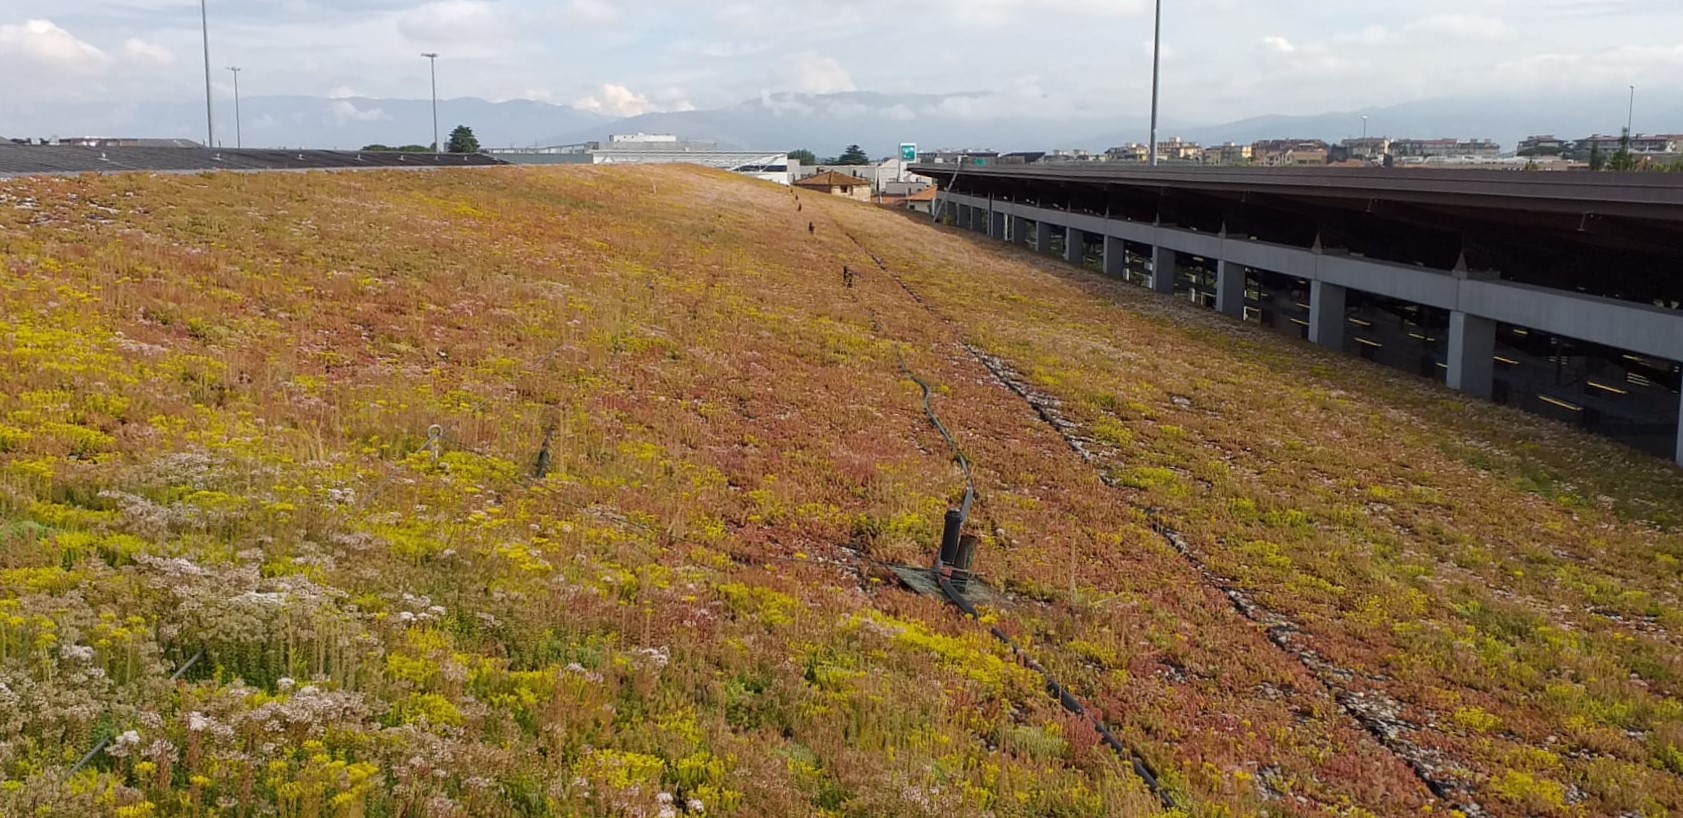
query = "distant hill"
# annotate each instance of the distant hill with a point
(315, 122)
(823, 123)
(827, 123)
(1504, 119)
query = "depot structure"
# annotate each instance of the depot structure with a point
(1559, 293)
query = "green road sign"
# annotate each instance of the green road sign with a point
(908, 152)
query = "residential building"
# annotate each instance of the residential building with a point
(1178, 150)
(923, 201)
(1640, 144)
(879, 177)
(1021, 157)
(919, 197)
(1131, 152)
(1228, 153)
(1545, 145)
(1367, 148)
(838, 184)
(1289, 152)
(959, 157)
(1445, 148)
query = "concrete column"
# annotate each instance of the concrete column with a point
(1019, 230)
(1472, 354)
(1043, 237)
(1326, 314)
(1075, 245)
(1680, 433)
(1164, 269)
(996, 226)
(1230, 288)
(1115, 257)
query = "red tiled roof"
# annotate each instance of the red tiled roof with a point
(829, 179)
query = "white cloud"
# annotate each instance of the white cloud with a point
(1463, 26)
(455, 21)
(145, 52)
(344, 111)
(598, 12)
(1223, 60)
(809, 72)
(617, 100)
(899, 113)
(44, 43)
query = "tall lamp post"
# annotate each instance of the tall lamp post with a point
(437, 145)
(204, 25)
(239, 135)
(1156, 65)
(1630, 118)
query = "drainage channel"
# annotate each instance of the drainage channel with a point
(956, 521)
(1376, 713)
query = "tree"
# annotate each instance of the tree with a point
(462, 140)
(379, 148)
(1623, 160)
(854, 155)
(804, 156)
(1596, 160)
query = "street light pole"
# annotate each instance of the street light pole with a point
(1630, 118)
(1156, 65)
(239, 135)
(210, 122)
(437, 145)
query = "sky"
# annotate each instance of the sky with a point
(1060, 59)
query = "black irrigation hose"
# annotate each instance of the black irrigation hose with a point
(1070, 703)
(181, 671)
(958, 453)
(1142, 768)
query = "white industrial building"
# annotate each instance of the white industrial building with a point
(655, 149)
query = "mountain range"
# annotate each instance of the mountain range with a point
(824, 123)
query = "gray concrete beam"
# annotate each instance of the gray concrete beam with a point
(1230, 288)
(1165, 268)
(1277, 258)
(1472, 354)
(1326, 314)
(1075, 245)
(1400, 281)
(1115, 257)
(1639, 328)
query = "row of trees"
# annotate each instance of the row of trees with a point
(462, 140)
(852, 155)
